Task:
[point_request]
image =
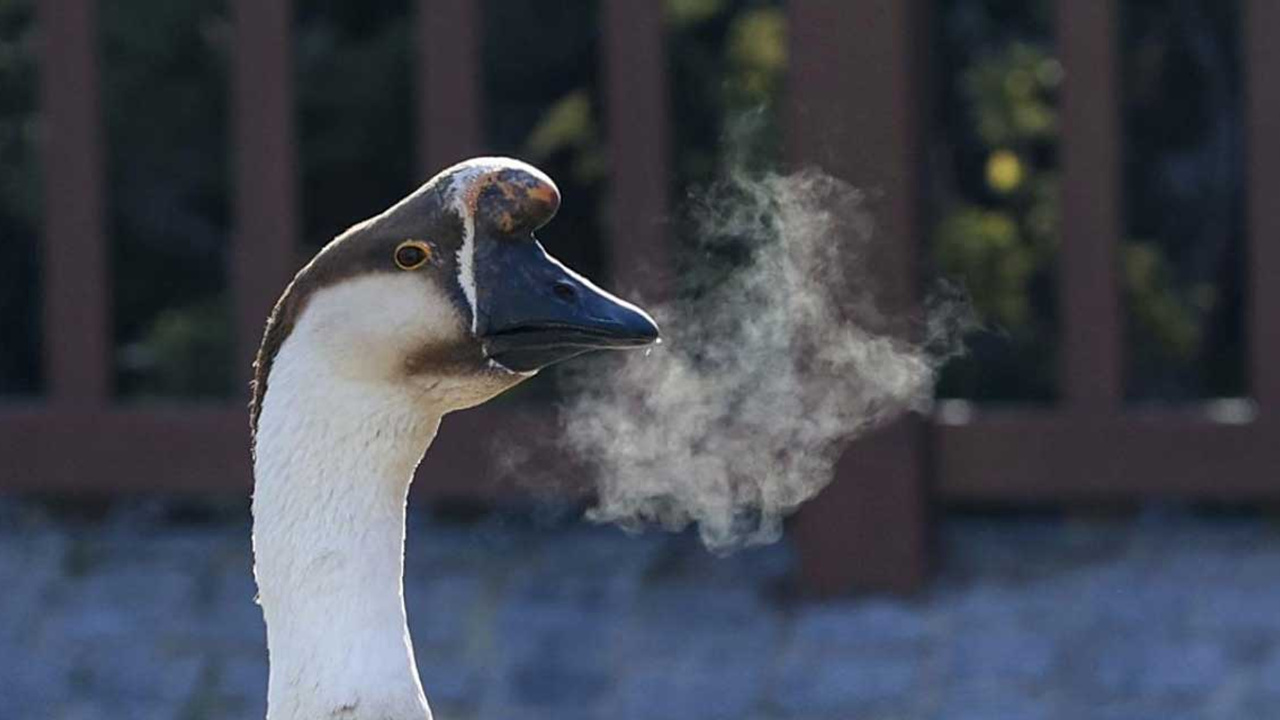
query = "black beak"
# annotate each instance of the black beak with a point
(532, 311)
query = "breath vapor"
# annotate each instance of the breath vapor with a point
(776, 354)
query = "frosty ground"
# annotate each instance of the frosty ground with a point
(147, 612)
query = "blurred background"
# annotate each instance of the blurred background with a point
(1084, 526)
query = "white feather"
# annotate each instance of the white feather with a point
(465, 175)
(342, 429)
(466, 257)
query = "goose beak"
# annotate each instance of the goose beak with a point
(532, 311)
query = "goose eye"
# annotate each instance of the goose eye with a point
(411, 254)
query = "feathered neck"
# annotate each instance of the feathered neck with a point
(332, 469)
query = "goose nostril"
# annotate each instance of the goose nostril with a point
(565, 291)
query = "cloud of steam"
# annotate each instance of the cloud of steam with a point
(775, 355)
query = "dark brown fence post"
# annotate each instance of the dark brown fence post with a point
(77, 302)
(636, 108)
(1092, 359)
(449, 83)
(857, 85)
(1262, 56)
(263, 256)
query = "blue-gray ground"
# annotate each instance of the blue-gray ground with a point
(138, 616)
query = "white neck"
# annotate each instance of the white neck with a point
(334, 461)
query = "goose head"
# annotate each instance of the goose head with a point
(438, 304)
(449, 294)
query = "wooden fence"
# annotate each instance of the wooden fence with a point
(857, 102)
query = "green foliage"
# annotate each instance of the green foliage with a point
(165, 106)
(682, 14)
(19, 186)
(357, 149)
(1184, 184)
(1011, 95)
(727, 68)
(757, 55)
(1168, 316)
(19, 201)
(569, 127)
(184, 351)
(985, 248)
(543, 103)
(998, 231)
(165, 74)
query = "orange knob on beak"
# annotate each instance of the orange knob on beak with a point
(514, 202)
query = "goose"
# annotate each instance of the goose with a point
(438, 304)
